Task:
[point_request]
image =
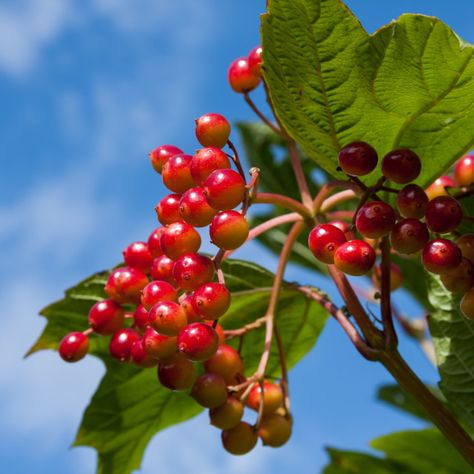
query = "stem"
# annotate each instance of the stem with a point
(336, 199)
(283, 201)
(218, 257)
(284, 372)
(231, 333)
(262, 117)
(299, 174)
(236, 159)
(385, 305)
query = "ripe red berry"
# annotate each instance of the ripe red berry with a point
(138, 256)
(272, 397)
(224, 189)
(438, 188)
(179, 238)
(358, 159)
(194, 208)
(167, 210)
(140, 357)
(396, 277)
(412, 201)
(158, 346)
(162, 269)
(186, 302)
(409, 236)
(140, 317)
(464, 171)
(198, 341)
(125, 284)
(240, 76)
(177, 373)
(401, 166)
(160, 155)
(467, 305)
(154, 245)
(461, 279)
(275, 430)
(106, 317)
(228, 414)
(354, 257)
(229, 230)
(212, 130)
(443, 214)
(74, 346)
(375, 219)
(156, 292)
(440, 256)
(205, 161)
(212, 300)
(255, 61)
(209, 390)
(192, 270)
(168, 318)
(177, 173)
(466, 244)
(323, 241)
(227, 363)
(120, 346)
(341, 225)
(240, 439)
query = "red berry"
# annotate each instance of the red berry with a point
(272, 397)
(229, 230)
(192, 270)
(358, 159)
(228, 414)
(74, 346)
(409, 236)
(140, 317)
(323, 241)
(154, 245)
(396, 277)
(227, 363)
(158, 346)
(120, 346)
(440, 256)
(401, 166)
(168, 318)
(240, 439)
(140, 357)
(461, 279)
(125, 284)
(467, 305)
(179, 238)
(177, 173)
(224, 189)
(275, 430)
(375, 219)
(466, 244)
(194, 208)
(443, 214)
(162, 269)
(186, 302)
(212, 130)
(167, 209)
(106, 317)
(240, 76)
(177, 373)
(341, 225)
(198, 341)
(412, 201)
(207, 160)
(255, 61)
(209, 390)
(156, 292)
(464, 171)
(138, 256)
(160, 155)
(212, 300)
(438, 188)
(354, 257)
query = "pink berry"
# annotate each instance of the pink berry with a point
(140, 317)
(255, 61)
(162, 269)
(229, 230)
(179, 238)
(125, 284)
(375, 219)
(354, 257)
(154, 245)
(323, 241)
(140, 357)
(440, 256)
(156, 292)
(194, 208)
(158, 346)
(211, 300)
(167, 317)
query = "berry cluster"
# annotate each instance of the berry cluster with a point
(416, 224)
(245, 73)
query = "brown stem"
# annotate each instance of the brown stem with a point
(236, 159)
(299, 174)
(385, 305)
(284, 371)
(231, 333)
(260, 115)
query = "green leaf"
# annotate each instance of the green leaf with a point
(411, 84)
(453, 338)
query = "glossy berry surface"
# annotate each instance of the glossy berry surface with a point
(160, 155)
(205, 161)
(272, 397)
(467, 304)
(212, 130)
(167, 210)
(158, 346)
(168, 318)
(227, 363)
(186, 302)
(73, 347)
(212, 300)
(441, 255)
(120, 346)
(140, 317)
(461, 278)
(438, 188)
(224, 189)
(323, 241)
(176, 173)
(358, 159)
(396, 277)
(229, 230)
(275, 430)
(156, 292)
(228, 414)
(341, 225)
(162, 269)
(125, 284)
(354, 257)
(241, 77)
(140, 357)
(177, 373)
(106, 317)
(412, 201)
(375, 219)
(443, 214)
(192, 270)
(154, 245)
(466, 243)
(464, 171)
(401, 166)
(198, 341)
(194, 208)
(179, 238)
(255, 61)
(240, 439)
(138, 256)
(409, 236)
(209, 390)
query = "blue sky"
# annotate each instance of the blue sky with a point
(87, 88)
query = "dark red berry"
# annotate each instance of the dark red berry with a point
(375, 219)
(323, 241)
(140, 357)
(212, 130)
(198, 341)
(341, 225)
(156, 292)
(160, 155)
(467, 305)
(224, 189)
(438, 188)
(167, 209)
(194, 208)
(211, 300)
(177, 373)
(140, 317)
(409, 236)
(106, 317)
(154, 245)
(443, 214)
(168, 318)
(192, 270)
(158, 346)
(120, 346)
(186, 302)
(229, 230)
(466, 244)
(74, 346)
(162, 269)
(401, 166)
(255, 61)
(227, 363)
(179, 238)
(412, 201)
(354, 257)
(240, 76)
(205, 161)
(240, 439)
(464, 171)
(441, 255)
(461, 279)
(177, 173)
(274, 430)
(209, 390)
(125, 284)
(228, 414)
(358, 159)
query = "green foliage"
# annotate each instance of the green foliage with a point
(411, 84)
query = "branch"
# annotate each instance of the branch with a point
(385, 305)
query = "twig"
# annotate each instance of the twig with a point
(231, 333)
(283, 201)
(299, 175)
(260, 115)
